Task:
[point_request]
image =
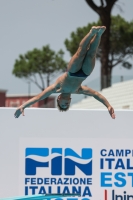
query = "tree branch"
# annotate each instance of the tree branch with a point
(110, 3)
(102, 4)
(41, 80)
(112, 58)
(35, 82)
(120, 59)
(128, 57)
(119, 7)
(93, 5)
(35, 78)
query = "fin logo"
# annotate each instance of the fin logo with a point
(41, 157)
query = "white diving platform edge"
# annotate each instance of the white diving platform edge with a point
(41, 197)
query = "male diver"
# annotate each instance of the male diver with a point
(79, 68)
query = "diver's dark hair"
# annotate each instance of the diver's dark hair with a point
(60, 108)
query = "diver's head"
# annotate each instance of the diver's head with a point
(63, 101)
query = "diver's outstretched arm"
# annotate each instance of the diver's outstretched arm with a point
(43, 95)
(88, 91)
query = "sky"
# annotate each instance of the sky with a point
(28, 24)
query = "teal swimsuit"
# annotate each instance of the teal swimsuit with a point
(80, 73)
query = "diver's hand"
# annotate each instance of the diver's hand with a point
(111, 112)
(19, 111)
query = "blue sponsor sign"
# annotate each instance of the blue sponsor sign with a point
(70, 158)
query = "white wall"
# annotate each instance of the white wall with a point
(49, 123)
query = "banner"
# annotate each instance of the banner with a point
(96, 168)
(76, 151)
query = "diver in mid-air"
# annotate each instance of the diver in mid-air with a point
(79, 68)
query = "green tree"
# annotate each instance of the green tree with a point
(42, 62)
(104, 12)
(121, 44)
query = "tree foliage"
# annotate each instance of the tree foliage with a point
(75, 37)
(44, 62)
(121, 41)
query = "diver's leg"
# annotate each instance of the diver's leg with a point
(76, 61)
(89, 60)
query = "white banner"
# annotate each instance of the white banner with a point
(96, 168)
(62, 139)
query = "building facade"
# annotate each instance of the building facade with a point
(17, 100)
(11, 100)
(3, 98)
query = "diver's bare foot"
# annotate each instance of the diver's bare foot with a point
(102, 29)
(96, 29)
